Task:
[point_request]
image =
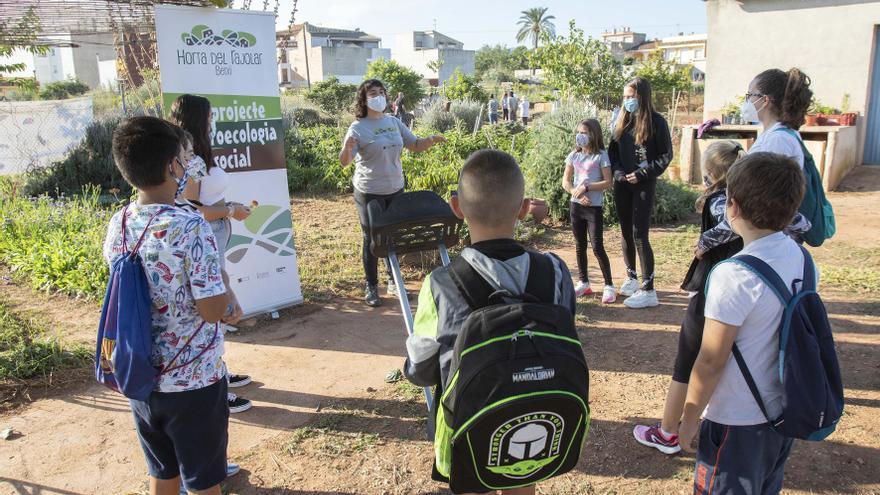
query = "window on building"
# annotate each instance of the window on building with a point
(700, 54)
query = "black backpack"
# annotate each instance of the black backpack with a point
(515, 410)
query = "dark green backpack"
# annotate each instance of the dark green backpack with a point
(815, 206)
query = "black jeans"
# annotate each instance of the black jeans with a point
(635, 203)
(584, 220)
(371, 263)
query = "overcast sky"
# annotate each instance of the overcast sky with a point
(482, 22)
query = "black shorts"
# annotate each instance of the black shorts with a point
(185, 434)
(690, 338)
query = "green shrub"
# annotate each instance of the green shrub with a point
(28, 351)
(466, 113)
(312, 157)
(61, 90)
(544, 166)
(463, 87)
(462, 114)
(333, 97)
(438, 119)
(54, 244)
(90, 163)
(304, 117)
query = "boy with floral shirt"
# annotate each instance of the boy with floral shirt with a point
(182, 426)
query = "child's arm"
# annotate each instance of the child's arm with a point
(721, 233)
(422, 366)
(715, 350)
(567, 178)
(799, 225)
(606, 182)
(204, 275)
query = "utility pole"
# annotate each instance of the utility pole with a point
(306, 52)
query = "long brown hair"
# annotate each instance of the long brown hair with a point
(594, 131)
(360, 104)
(717, 160)
(644, 116)
(192, 113)
(788, 93)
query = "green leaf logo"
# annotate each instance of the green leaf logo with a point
(202, 35)
(271, 229)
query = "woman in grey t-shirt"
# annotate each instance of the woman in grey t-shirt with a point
(375, 142)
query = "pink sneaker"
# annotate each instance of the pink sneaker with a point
(583, 289)
(609, 294)
(653, 436)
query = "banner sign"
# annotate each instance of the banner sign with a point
(228, 56)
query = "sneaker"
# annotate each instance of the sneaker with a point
(238, 380)
(609, 294)
(653, 436)
(237, 404)
(229, 328)
(583, 289)
(642, 299)
(232, 469)
(371, 296)
(392, 289)
(629, 287)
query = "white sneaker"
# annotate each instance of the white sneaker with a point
(642, 299)
(629, 287)
(582, 289)
(392, 289)
(609, 294)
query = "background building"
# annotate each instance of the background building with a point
(309, 53)
(433, 55)
(619, 40)
(835, 42)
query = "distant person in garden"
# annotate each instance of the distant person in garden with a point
(513, 103)
(587, 175)
(375, 142)
(524, 110)
(505, 106)
(205, 188)
(640, 150)
(182, 426)
(493, 110)
(399, 108)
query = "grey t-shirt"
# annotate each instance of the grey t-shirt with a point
(588, 168)
(377, 161)
(493, 106)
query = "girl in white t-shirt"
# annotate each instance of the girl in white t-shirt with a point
(587, 175)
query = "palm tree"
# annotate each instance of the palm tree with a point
(535, 24)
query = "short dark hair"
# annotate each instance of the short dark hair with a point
(768, 188)
(490, 187)
(142, 149)
(360, 103)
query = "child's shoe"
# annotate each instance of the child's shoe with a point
(653, 436)
(642, 299)
(392, 289)
(609, 294)
(237, 404)
(629, 287)
(583, 289)
(238, 380)
(371, 296)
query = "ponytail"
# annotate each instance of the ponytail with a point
(789, 94)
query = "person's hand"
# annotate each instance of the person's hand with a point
(437, 138)
(687, 434)
(699, 252)
(578, 191)
(585, 200)
(632, 178)
(350, 143)
(240, 212)
(235, 315)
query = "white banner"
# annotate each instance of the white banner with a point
(229, 57)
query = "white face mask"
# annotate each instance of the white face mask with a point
(377, 103)
(749, 112)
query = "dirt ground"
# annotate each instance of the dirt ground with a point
(326, 422)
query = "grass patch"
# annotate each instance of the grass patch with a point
(406, 391)
(28, 352)
(673, 253)
(323, 438)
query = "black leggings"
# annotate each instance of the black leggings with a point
(634, 205)
(584, 220)
(690, 338)
(371, 263)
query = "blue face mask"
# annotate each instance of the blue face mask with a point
(631, 105)
(582, 140)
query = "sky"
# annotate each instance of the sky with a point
(487, 22)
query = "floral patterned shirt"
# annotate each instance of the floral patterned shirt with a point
(182, 265)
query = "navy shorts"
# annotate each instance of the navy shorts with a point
(185, 434)
(746, 460)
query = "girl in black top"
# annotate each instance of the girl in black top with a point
(640, 150)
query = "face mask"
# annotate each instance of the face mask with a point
(181, 182)
(582, 140)
(748, 111)
(706, 181)
(377, 103)
(631, 105)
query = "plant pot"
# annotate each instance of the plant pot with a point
(538, 209)
(821, 120)
(848, 118)
(811, 120)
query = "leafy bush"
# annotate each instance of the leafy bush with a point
(312, 157)
(61, 90)
(461, 114)
(463, 87)
(304, 117)
(54, 244)
(90, 163)
(333, 97)
(544, 166)
(438, 118)
(466, 113)
(397, 79)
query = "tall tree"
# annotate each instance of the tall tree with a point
(397, 79)
(20, 36)
(536, 25)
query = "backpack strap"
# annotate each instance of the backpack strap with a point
(809, 282)
(737, 355)
(168, 368)
(140, 240)
(767, 274)
(477, 292)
